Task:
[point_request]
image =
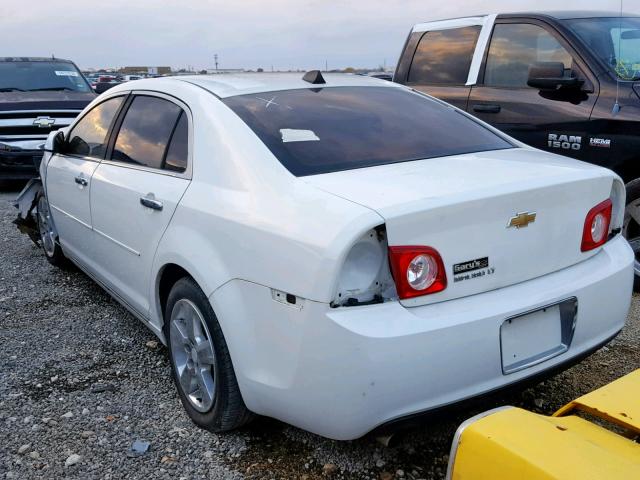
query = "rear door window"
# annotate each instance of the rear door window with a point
(515, 46)
(89, 136)
(146, 131)
(178, 151)
(321, 130)
(443, 57)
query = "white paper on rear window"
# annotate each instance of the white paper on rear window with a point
(294, 135)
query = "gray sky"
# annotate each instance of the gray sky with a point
(246, 33)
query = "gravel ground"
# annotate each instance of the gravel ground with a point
(82, 379)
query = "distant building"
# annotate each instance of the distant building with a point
(225, 70)
(147, 70)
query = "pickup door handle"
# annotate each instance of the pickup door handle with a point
(151, 203)
(486, 108)
(81, 181)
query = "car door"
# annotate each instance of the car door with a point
(135, 191)
(69, 175)
(556, 121)
(440, 64)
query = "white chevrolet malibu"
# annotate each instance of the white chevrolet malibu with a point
(338, 253)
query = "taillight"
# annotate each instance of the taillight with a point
(417, 271)
(596, 226)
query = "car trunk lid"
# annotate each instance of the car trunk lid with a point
(463, 207)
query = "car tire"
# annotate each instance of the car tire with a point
(200, 361)
(631, 226)
(48, 237)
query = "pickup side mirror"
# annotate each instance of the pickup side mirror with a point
(550, 76)
(102, 87)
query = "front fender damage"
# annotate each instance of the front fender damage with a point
(26, 203)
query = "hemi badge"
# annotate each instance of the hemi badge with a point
(521, 220)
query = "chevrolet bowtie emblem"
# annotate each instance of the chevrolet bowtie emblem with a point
(521, 220)
(44, 122)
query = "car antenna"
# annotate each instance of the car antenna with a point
(616, 106)
(313, 76)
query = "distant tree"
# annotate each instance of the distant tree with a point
(349, 70)
(202, 72)
(260, 70)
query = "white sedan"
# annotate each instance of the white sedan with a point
(336, 252)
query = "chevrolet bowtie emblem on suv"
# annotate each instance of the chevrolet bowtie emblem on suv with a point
(521, 220)
(44, 122)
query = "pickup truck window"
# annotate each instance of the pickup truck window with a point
(515, 46)
(25, 76)
(89, 137)
(322, 130)
(443, 57)
(616, 41)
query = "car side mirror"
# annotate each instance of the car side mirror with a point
(551, 76)
(58, 143)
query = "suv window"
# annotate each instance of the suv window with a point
(321, 130)
(146, 131)
(89, 137)
(443, 57)
(515, 46)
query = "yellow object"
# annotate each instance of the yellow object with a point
(512, 443)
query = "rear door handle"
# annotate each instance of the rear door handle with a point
(486, 108)
(80, 180)
(151, 203)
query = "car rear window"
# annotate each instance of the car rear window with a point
(322, 130)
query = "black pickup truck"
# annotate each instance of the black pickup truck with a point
(566, 82)
(37, 95)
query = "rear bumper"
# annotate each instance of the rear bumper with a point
(342, 372)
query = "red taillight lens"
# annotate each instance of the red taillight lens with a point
(417, 271)
(596, 226)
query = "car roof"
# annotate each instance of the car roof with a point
(33, 59)
(228, 85)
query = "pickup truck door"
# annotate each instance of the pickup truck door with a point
(437, 63)
(135, 191)
(557, 121)
(69, 175)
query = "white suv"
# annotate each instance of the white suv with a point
(337, 253)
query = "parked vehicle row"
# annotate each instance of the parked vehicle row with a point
(336, 252)
(565, 82)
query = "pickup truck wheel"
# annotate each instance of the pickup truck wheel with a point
(631, 226)
(200, 361)
(48, 238)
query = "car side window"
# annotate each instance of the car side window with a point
(515, 46)
(146, 131)
(443, 57)
(89, 136)
(178, 151)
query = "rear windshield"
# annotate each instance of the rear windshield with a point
(41, 76)
(321, 130)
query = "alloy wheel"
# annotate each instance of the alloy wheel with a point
(45, 225)
(193, 354)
